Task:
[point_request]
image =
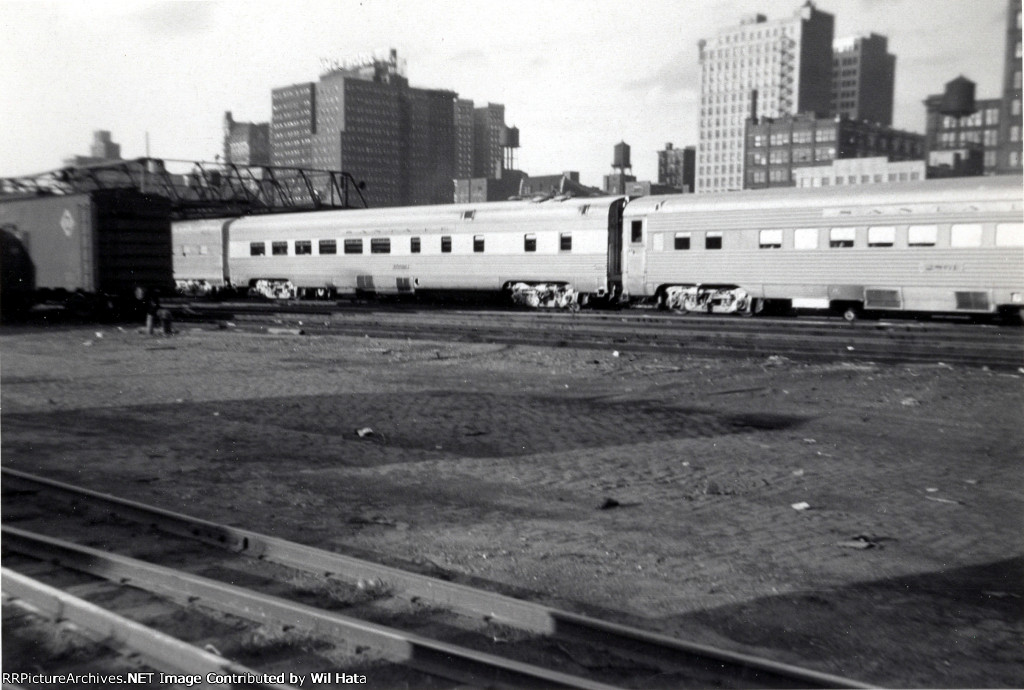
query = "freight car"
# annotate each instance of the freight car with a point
(89, 252)
(938, 246)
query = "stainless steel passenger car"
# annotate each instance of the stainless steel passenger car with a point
(937, 246)
(553, 253)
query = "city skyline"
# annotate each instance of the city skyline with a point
(575, 78)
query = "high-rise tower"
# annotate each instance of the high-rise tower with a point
(863, 78)
(760, 68)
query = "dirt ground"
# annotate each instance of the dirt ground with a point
(862, 520)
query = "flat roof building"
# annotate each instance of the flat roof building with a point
(759, 68)
(863, 78)
(777, 148)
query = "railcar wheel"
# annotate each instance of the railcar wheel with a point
(851, 314)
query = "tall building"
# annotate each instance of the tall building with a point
(463, 138)
(761, 68)
(863, 78)
(489, 141)
(407, 144)
(1008, 158)
(676, 167)
(292, 125)
(777, 147)
(246, 143)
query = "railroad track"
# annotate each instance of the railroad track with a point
(426, 631)
(808, 339)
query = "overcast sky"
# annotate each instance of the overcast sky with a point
(575, 76)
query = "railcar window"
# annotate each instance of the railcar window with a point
(446, 244)
(841, 238)
(468, 215)
(713, 239)
(881, 236)
(636, 231)
(922, 235)
(966, 235)
(529, 243)
(380, 245)
(805, 238)
(279, 248)
(565, 241)
(353, 246)
(682, 241)
(414, 245)
(303, 247)
(770, 239)
(478, 243)
(257, 249)
(1010, 235)
(328, 247)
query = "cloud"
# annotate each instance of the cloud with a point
(174, 19)
(676, 75)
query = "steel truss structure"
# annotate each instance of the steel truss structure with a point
(199, 189)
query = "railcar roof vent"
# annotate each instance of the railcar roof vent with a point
(468, 215)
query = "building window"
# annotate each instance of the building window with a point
(922, 235)
(805, 238)
(529, 243)
(478, 243)
(446, 244)
(380, 245)
(636, 231)
(565, 242)
(414, 245)
(841, 238)
(257, 249)
(779, 156)
(779, 175)
(279, 248)
(713, 239)
(328, 247)
(353, 246)
(802, 155)
(965, 235)
(682, 241)
(303, 247)
(770, 239)
(881, 236)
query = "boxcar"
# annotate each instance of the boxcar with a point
(90, 251)
(936, 246)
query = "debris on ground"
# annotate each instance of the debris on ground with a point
(802, 505)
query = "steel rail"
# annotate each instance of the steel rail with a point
(887, 342)
(429, 656)
(669, 654)
(155, 649)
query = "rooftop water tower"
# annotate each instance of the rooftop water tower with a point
(620, 163)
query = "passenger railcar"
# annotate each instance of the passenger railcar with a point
(940, 246)
(554, 253)
(937, 246)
